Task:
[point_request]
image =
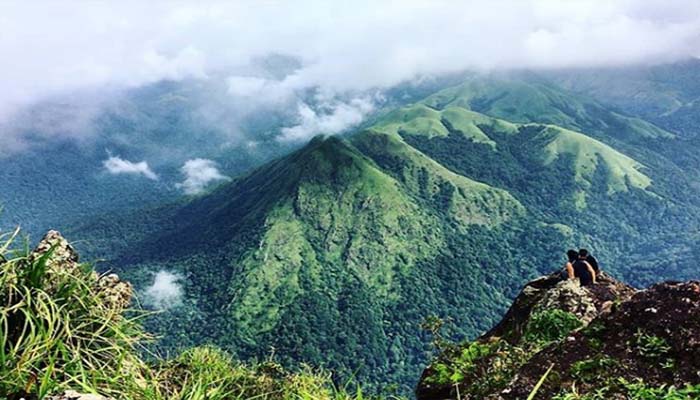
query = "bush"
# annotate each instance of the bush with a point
(550, 325)
(455, 367)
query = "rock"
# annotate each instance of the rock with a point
(550, 292)
(114, 293)
(568, 296)
(73, 395)
(660, 313)
(63, 257)
(652, 336)
(546, 293)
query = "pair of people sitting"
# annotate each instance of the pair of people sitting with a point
(582, 265)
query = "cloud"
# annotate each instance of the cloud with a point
(341, 48)
(165, 292)
(115, 165)
(199, 173)
(335, 118)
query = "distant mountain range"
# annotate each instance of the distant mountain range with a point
(334, 254)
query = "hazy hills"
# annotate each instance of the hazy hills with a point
(443, 202)
(334, 254)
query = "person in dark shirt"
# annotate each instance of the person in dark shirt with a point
(572, 256)
(584, 271)
(591, 260)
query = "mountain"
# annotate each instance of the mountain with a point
(327, 248)
(336, 253)
(580, 342)
(665, 94)
(57, 175)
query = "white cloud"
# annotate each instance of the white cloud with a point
(199, 173)
(165, 292)
(334, 118)
(116, 165)
(343, 48)
(53, 47)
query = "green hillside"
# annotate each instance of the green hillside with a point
(523, 101)
(451, 116)
(332, 257)
(335, 254)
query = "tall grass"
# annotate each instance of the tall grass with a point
(57, 332)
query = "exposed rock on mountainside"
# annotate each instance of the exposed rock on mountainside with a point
(550, 293)
(61, 257)
(608, 339)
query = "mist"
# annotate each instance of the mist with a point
(342, 53)
(165, 292)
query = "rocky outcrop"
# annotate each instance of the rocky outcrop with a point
(653, 337)
(61, 258)
(551, 292)
(650, 336)
(61, 266)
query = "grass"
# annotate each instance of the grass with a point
(467, 201)
(550, 325)
(588, 155)
(468, 107)
(58, 331)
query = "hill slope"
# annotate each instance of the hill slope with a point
(330, 248)
(334, 254)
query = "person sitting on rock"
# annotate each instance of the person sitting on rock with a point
(572, 256)
(583, 270)
(591, 260)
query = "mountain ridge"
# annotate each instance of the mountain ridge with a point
(335, 253)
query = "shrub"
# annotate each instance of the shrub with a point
(651, 346)
(550, 325)
(458, 364)
(592, 369)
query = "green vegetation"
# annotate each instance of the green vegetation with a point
(550, 325)
(651, 346)
(56, 331)
(587, 153)
(637, 390)
(334, 254)
(483, 367)
(477, 368)
(463, 364)
(61, 329)
(593, 368)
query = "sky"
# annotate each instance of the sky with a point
(50, 48)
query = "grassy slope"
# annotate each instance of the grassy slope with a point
(294, 255)
(450, 111)
(587, 153)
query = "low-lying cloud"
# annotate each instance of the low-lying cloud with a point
(199, 173)
(117, 166)
(331, 119)
(165, 292)
(343, 49)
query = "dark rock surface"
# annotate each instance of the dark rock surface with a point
(652, 335)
